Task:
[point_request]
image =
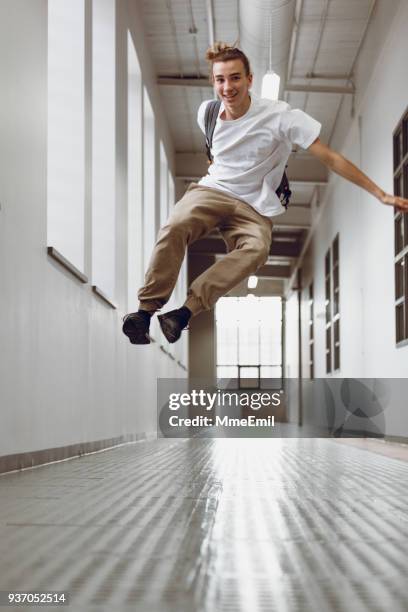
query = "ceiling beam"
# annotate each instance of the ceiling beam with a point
(336, 89)
(184, 81)
(202, 81)
(274, 271)
(214, 246)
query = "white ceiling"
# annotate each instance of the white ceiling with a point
(327, 40)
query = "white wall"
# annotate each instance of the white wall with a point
(67, 373)
(365, 227)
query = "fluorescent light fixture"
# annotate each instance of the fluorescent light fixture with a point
(270, 85)
(252, 282)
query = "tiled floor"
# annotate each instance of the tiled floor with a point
(223, 525)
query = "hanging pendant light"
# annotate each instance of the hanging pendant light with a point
(271, 80)
(270, 85)
(252, 282)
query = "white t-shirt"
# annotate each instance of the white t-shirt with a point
(250, 153)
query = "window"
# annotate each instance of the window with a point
(135, 127)
(172, 193)
(66, 130)
(332, 297)
(327, 291)
(149, 178)
(401, 232)
(164, 186)
(103, 146)
(336, 303)
(249, 341)
(311, 331)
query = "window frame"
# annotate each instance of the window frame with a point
(400, 181)
(311, 330)
(332, 306)
(257, 365)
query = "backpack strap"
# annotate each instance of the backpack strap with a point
(210, 119)
(283, 191)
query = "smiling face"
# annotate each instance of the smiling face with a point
(232, 84)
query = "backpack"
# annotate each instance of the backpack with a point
(210, 118)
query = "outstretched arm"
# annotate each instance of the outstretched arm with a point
(349, 171)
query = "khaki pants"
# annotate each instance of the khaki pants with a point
(247, 234)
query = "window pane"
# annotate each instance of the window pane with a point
(164, 186)
(328, 311)
(249, 378)
(246, 372)
(227, 345)
(398, 186)
(405, 136)
(405, 224)
(399, 233)
(335, 250)
(270, 321)
(399, 312)
(327, 263)
(270, 346)
(227, 312)
(336, 357)
(399, 279)
(328, 362)
(336, 277)
(248, 352)
(328, 349)
(227, 372)
(103, 146)
(336, 329)
(271, 377)
(397, 149)
(172, 194)
(149, 177)
(335, 302)
(135, 242)
(66, 130)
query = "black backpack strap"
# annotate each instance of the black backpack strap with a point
(210, 119)
(283, 191)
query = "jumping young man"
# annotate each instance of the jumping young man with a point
(251, 144)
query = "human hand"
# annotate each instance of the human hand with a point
(390, 200)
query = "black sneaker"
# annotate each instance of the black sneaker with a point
(136, 328)
(172, 323)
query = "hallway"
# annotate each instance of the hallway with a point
(192, 525)
(102, 134)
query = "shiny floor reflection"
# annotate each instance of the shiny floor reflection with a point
(223, 525)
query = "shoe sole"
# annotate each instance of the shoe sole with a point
(136, 336)
(168, 329)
